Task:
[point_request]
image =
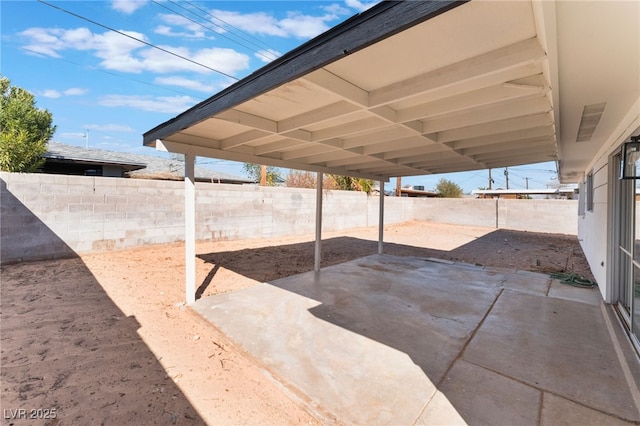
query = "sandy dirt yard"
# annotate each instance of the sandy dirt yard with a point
(106, 338)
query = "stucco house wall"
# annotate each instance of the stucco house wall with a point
(593, 228)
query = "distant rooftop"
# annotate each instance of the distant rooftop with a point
(568, 192)
(541, 191)
(136, 165)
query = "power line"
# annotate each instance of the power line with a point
(264, 45)
(266, 56)
(137, 39)
(522, 177)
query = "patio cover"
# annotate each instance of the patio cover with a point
(422, 87)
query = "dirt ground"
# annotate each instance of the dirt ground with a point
(106, 338)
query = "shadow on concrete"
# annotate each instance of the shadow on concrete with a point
(69, 354)
(493, 346)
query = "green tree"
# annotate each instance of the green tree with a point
(25, 130)
(448, 189)
(254, 172)
(347, 183)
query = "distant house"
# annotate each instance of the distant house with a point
(549, 193)
(74, 160)
(417, 191)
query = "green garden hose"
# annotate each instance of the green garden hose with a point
(571, 278)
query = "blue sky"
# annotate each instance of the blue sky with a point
(102, 68)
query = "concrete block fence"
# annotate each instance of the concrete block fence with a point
(47, 216)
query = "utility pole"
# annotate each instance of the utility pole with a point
(506, 175)
(399, 186)
(86, 139)
(490, 180)
(526, 184)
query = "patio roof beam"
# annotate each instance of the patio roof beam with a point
(514, 136)
(502, 126)
(201, 151)
(475, 72)
(515, 109)
(242, 138)
(509, 146)
(313, 149)
(477, 98)
(279, 146)
(318, 115)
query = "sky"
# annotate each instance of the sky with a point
(109, 71)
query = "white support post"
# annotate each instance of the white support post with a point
(318, 248)
(190, 227)
(381, 218)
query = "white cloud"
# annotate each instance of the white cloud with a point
(193, 30)
(337, 9)
(109, 128)
(224, 60)
(127, 6)
(254, 23)
(267, 55)
(162, 104)
(117, 51)
(50, 93)
(359, 5)
(305, 26)
(54, 94)
(295, 24)
(188, 83)
(74, 91)
(124, 54)
(72, 135)
(49, 41)
(43, 41)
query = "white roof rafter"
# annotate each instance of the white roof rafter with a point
(411, 88)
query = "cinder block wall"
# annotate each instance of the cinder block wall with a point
(46, 216)
(457, 211)
(40, 214)
(233, 212)
(554, 216)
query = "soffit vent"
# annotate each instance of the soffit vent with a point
(590, 118)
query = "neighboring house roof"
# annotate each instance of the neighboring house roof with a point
(63, 153)
(138, 165)
(424, 87)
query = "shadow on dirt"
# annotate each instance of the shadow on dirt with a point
(69, 354)
(501, 248)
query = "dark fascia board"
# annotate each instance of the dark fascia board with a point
(360, 31)
(90, 162)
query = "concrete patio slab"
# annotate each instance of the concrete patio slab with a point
(578, 294)
(560, 411)
(556, 345)
(405, 340)
(528, 282)
(508, 403)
